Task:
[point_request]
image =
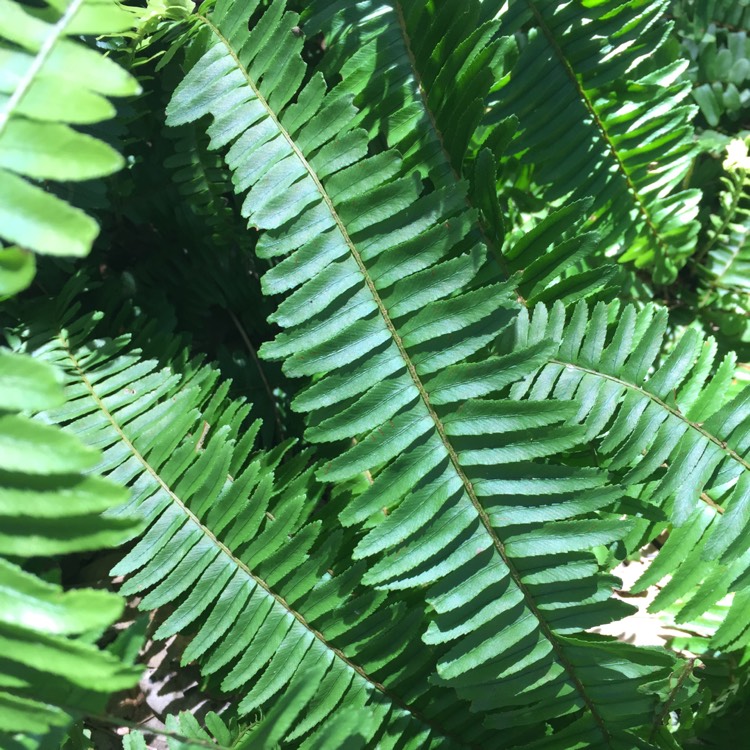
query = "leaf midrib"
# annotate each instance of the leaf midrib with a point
(424, 396)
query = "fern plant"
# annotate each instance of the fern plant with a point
(52, 671)
(485, 429)
(714, 37)
(51, 674)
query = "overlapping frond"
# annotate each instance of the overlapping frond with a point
(433, 571)
(412, 66)
(50, 673)
(51, 82)
(727, 251)
(200, 176)
(669, 433)
(596, 121)
(420, 74)
(547, 257)
(380, 310)
(233, 541)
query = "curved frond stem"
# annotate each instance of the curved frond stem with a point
(685, 672)
(726, 220)
(727, 245)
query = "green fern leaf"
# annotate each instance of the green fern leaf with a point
(727, 262)
(233, 541)
(667, 431)
(410, 67)
(633, 143)
(723, 261)
(384, 317)
(432, 63)
(49, 673)
(184, 732)
(52, 81)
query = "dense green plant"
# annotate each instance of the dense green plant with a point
(52, 671)
(408, 321)
(714, 36)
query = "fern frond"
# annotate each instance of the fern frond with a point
(384, 317)
(669, 433)
(348, 729)
(632, 139)
(547, 256)
(201, 177)
(50, 673)
(233, 540)
(412, 67)
(53, 81)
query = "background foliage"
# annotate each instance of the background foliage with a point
(363, 346)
